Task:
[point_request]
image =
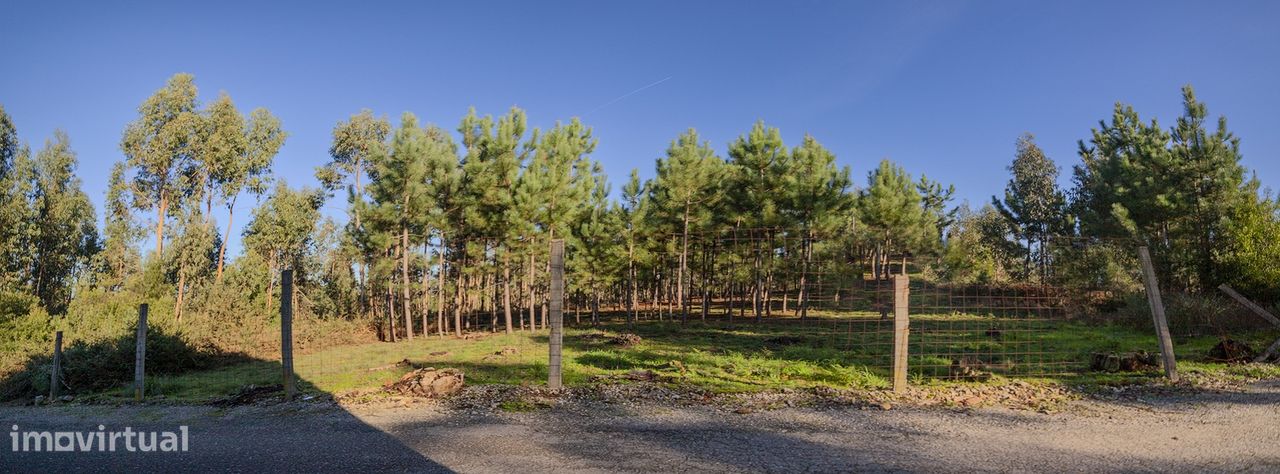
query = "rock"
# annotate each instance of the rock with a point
(39, 399)
(971, 401)
(886, 406)
(743, 411)
(429, 382)
(66, 398)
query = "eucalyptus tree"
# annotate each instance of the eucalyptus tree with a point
(686, 189)
(1033, 204)
(66, 235)
(354, 142)
(282, 227)
(17, 179)
(119, 257)
(161, 146)
(240, 157)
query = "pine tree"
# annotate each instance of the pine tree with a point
(818, 200)
(891, 211)
(759, 161)
(633, 212)
(686, 189)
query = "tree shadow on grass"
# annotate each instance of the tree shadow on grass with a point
(253, 429)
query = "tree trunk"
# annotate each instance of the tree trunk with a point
(426, 291)
(506, 289)
(684, 258)
(391, 314)
(177, 306)
(533, 322)
(404, 279)
(161, 210)
(222, 249)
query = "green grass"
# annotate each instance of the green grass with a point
(719, 357)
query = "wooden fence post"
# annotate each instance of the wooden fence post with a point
(140, 354)
(557, 318)
(1157, 314)
(55, 375)
(286, 332)
(901, 331)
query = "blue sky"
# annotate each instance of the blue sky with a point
(944, 88)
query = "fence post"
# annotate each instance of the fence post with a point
(557, 319)
(286, 332)
(55, 375)
(1157, 314)
(140, 354)
(901, 331)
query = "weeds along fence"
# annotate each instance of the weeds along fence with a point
(1022, 310)
(804, 295)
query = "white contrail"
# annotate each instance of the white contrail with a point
(629, 94)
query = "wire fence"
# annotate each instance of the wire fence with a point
(1049, 308)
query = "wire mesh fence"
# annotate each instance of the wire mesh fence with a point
(783, 295)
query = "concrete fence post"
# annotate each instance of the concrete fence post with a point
(286, 332)
(140, 354)
(557, 318)
(1157, 314)
(901, 331)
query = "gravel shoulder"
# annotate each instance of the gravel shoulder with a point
(1192, 431)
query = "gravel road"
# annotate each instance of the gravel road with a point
(1238, 431)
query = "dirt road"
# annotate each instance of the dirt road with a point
(1201, 432)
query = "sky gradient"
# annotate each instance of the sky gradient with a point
(943, 88)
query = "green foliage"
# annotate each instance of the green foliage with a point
(759, 161)
(1174, 190)
(1034, 206)
(890, 210)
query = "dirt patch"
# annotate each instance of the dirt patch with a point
(1231, 350)
(428, 382)
(506, 351)
(249, 395)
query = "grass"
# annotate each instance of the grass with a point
(725, 358)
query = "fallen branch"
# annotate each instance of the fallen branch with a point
(1275, 346)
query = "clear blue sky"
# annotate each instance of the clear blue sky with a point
(943, 88)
